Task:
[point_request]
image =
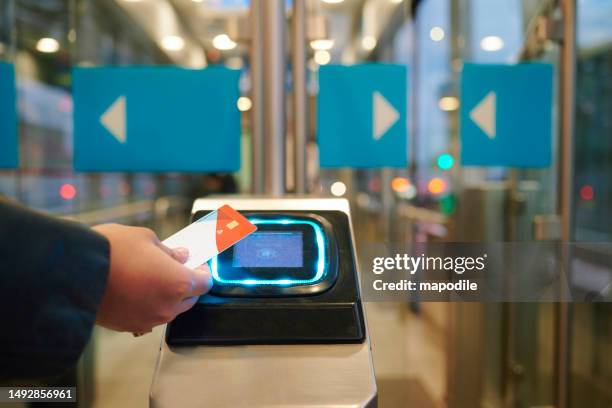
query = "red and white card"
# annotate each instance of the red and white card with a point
(211, 235)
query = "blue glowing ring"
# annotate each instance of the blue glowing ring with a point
(321, 268)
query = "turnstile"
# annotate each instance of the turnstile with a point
(283, 326)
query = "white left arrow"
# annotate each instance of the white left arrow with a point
(384, 115)
(114, 119)
(484, 115)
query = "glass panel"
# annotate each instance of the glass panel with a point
(409, 343)
(517, 339)
(45, 40)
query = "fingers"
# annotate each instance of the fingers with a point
(201, 280)
(186, 304)
(178, 254)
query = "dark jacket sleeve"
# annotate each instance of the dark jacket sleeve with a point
(52, 277)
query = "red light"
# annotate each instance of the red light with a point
(67, 191)
(587, 193)
(374, 185)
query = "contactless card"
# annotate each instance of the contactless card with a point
(211, 234)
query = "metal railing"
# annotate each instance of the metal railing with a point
(164, 214)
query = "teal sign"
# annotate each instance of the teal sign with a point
(506, 115)
(157, 119)
(361, 115)
(8, 117)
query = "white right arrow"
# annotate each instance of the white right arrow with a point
(114, 119)
(384, 114)
(484, 114)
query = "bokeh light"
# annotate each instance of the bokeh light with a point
(400, 184)
(436, 186)
(67, 191)
(445, 161)
(587, 193)
(338, 188)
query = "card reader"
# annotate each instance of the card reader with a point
(283, 284)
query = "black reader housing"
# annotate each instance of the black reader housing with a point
(293, 281)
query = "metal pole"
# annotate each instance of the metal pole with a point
(300, 99)
(566, 193)
(273, 28)
(567, 106)
(257, 121)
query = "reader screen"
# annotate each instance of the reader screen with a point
(269, 249)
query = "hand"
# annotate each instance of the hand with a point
(147, 283)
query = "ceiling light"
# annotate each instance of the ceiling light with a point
(244, 104)
(322, 57)
(172, 43)
(323, 44)
(491, 43)
(436, 33)
(47, 45)
(332, 1)
(448, 103)
(223, 42)
(368, 42)
(396, 1)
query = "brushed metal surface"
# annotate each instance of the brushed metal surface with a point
(245, 203)
(264, 376)
(300, 96)
(274, 112)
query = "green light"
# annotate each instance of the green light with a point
(448, 204)
(445, 161)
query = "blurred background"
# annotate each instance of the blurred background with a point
(425, 354)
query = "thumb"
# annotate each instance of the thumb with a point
(201, 280)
